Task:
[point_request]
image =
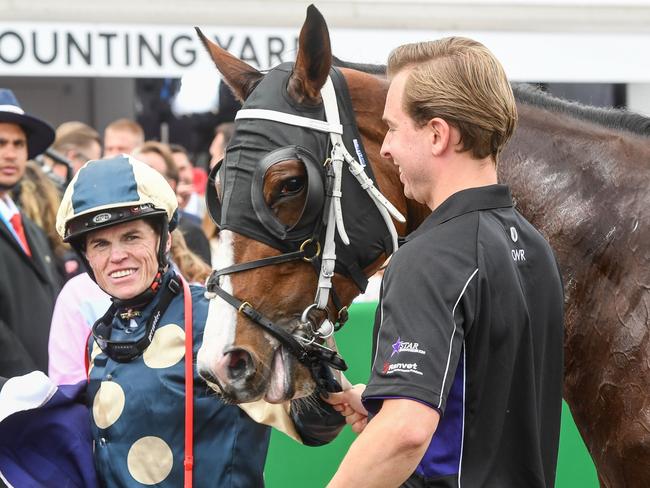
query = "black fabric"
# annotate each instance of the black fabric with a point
(417, 481)
(317, 423)
(254, 139)
(28, 291)
(470, 322)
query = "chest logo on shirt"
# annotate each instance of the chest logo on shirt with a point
(517, 254)
(405, 346)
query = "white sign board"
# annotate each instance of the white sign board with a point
(105, 50)
(43, 49)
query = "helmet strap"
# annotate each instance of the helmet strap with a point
(125, 351)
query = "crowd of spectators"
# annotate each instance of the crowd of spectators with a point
(37, 163)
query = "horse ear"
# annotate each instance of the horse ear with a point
(313, 61)
(240, 76)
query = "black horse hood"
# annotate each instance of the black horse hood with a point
(247, 157)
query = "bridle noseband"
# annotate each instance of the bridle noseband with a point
(308, 350)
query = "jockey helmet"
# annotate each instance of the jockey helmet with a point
(108, 192)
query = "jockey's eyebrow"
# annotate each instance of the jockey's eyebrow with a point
(95, 240)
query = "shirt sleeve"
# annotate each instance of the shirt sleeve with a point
(76, 309)
(427, 301)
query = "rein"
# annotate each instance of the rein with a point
(309, 351)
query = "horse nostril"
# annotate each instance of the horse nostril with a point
(239, 364)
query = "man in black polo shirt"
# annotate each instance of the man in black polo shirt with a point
(466, 379)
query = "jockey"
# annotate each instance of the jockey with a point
(153, 419)
(118, 214)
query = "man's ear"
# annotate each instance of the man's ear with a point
(440, 135)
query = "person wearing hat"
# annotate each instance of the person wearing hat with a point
(153, 419)
(30, 282)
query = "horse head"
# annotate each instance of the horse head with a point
(281, 282)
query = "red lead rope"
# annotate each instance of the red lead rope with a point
(189, 386)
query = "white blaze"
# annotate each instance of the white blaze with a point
(219, 330)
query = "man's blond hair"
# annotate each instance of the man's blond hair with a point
(127, 125)
(458, 80)
(75, 135)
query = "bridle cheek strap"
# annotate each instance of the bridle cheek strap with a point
(188, 462)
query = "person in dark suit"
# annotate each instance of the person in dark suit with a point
(29, 283)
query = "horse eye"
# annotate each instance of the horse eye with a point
(292, 185)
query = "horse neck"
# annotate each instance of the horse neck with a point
(583, 185)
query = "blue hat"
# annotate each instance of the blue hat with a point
(39, 133)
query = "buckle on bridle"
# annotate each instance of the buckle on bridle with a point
(242, 306)
(306, 244)
(326, 328)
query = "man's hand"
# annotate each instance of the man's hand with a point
(348, 403)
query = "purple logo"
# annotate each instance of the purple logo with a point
(396, 347)
(406, 347)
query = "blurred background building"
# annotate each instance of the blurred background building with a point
(98, 61)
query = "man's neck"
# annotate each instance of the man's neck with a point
(461, 173)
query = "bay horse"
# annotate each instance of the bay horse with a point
(579, 174)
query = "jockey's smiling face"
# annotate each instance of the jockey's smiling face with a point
(124, 257)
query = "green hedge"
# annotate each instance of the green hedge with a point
(290, 464)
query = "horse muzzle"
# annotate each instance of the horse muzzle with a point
(237, 375)
(242, 375)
